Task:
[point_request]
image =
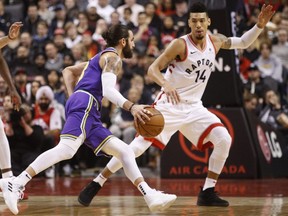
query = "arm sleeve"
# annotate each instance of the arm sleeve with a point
(109, 91)
(246, 39)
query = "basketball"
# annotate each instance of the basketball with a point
(153, 127)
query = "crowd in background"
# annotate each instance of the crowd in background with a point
(57, 34)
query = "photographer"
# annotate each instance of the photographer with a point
(25, 140)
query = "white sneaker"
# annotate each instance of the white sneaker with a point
(158, 201)
(12, 193)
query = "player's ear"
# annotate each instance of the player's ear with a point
(209, 21)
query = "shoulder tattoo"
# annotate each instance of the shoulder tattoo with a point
(113, 64)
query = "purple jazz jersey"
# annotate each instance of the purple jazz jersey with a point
(82, 108)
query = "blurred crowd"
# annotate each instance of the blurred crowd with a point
(60, 33)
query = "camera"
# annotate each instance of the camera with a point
(15, 116)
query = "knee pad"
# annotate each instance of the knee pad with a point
(140, 145)
(221, 140)
(69, 147)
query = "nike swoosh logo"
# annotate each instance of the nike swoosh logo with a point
(193, 52)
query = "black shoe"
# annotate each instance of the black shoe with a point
(87, 194)
(209, 197)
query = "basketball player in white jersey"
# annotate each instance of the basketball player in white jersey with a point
(189, 61)
(5, 159)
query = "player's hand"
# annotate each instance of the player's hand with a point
(265, 15)
(14, 30)
(16, 100)
(139, 112)
(171, 94)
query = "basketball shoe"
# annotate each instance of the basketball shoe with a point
(159, 201)
(209, 197)
(87, 194)
(12, 193)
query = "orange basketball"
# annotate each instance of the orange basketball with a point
(153, 127)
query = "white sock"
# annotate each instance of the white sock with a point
(7, 174)
(209, 183)
(144, 188)
(100, 179)
(23, 178)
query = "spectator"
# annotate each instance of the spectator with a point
(31, 20)
(127, 18)
(82, 23)
(54, 59)
(35, 85)
(165, 8)
(3, 93)
(72, 37)
(180, 17)
(152, 18)
(24, 139)
(21, 84)
(115, 18)
(251, 102)
(46, 115)
(269, 64)
(71, 8)
(136, 9)
(60, 19)
(43, 11)
(280, 49)
(5, 19)
(92, 47)
(274, 114)
(39, 62)
(59, 41)
(104, 9)
(92, 14)
(101, 26)
(41, 38)
(168, 33)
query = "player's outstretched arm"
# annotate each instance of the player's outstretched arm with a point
(71, 76)
(250, 36)
(5, 73)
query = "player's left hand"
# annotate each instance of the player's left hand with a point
(14, 30)
(16, 100)
(265, 15)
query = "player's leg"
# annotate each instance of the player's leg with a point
(5, 155)
(155, 200)
(139, 145)
(13, 188)
(221, 140)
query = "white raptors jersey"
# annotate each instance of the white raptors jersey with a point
(190, 76)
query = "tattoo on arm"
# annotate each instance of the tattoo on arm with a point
(226, 42)
(113, 64)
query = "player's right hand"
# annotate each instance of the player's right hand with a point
(139, 112)
(171, 94)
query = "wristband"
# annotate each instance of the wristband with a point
(131, 107)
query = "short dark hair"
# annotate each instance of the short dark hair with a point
(198, 7)
(115, 33)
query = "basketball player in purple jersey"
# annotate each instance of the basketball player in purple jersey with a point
(189, 61)
(83, 123)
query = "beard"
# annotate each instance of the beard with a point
(127, 52)
(44, 106)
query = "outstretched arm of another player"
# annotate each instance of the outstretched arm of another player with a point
(71, 76)
(112, 64)
(14, 31)
(251, 35)
(176, 49)
(5, 73)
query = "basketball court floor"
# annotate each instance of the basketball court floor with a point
(119, 197)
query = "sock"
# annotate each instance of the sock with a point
(209, 183)
(100, 179)
(7, 174)
(144, 188)
(23, 178)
